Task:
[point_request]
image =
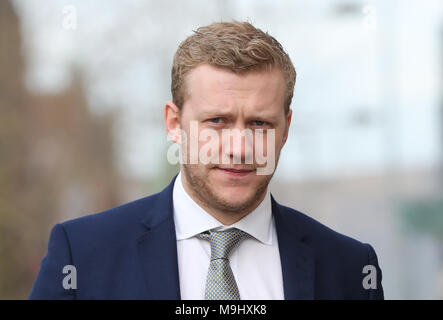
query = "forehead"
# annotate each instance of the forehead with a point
(209, 87)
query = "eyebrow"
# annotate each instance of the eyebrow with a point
(214, 113)
(218, 113)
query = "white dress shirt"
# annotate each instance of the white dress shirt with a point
(255, 262)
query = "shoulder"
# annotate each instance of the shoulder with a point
(122, 222)
(123, 214)
(340, 261)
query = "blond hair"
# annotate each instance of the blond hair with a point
(236, 46)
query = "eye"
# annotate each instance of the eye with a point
(216, 120)
(259, 123)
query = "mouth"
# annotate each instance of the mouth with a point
(236, 172)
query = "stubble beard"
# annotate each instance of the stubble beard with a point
(204, 191)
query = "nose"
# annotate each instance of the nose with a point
(237, 145)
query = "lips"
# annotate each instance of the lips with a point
(237, 169)
(236, 172)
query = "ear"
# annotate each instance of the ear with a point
(172, 121)
(288, 124)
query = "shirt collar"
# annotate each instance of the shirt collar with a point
(190, 219)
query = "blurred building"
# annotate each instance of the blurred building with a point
(57, 162)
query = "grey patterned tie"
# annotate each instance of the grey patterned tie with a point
(220, 281)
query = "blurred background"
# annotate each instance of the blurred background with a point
(82, 90)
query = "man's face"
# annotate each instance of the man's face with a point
(220, 100)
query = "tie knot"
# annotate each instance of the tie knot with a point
(222, 242)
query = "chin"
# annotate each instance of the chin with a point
(235, 196)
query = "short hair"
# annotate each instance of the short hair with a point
(236, 46)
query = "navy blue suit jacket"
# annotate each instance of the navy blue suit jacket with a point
(130, 252)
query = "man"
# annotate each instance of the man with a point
(215, 232)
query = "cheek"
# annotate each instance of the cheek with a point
(279, 138)
(273, 143)
(273, 140)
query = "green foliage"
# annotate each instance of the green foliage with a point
(424, 216)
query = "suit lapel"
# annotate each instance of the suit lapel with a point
(297, 258)
(157, 248)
